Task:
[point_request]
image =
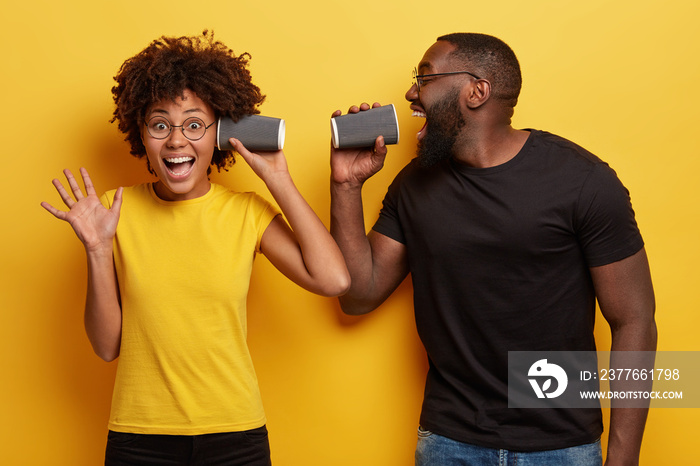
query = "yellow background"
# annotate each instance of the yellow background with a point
(620, 78)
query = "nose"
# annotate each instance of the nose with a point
(412, 93)
(176, 138)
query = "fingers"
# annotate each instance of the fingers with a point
(379, 147)
(59, 214)
(240, 148)
(117, 203)
(67, 199)
(361, 108)
(247, 155)
(89, 188)
(74, 186)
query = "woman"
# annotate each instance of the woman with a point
(169, 262)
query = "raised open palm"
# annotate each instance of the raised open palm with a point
(94, 224)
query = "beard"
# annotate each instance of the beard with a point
(444, 120)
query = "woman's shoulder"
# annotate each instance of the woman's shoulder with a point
(227, 195)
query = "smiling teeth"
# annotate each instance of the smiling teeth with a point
(178, 159)
(416, 113)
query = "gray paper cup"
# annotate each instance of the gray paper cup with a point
(362, 129)
(256, 132)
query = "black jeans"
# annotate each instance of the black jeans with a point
(247, 448)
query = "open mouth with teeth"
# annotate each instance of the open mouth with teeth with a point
(421, 133)
(179, 166)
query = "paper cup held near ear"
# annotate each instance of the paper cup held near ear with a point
(362, 129)
(256, 132)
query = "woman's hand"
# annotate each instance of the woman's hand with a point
(267, 166)
(94, 224)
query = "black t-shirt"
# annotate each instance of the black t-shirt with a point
(499, 259)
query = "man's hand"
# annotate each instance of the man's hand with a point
(352, 167)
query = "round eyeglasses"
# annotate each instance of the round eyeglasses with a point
(419, 78)
(192, 128)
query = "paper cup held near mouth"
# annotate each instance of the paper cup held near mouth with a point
(362, 129)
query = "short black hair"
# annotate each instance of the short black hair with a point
(490, 58)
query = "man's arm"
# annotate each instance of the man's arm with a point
(377, 263)
(626, 298)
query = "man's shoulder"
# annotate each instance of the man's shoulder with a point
(550, 143)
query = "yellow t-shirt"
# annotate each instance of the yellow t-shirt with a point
(184, 270)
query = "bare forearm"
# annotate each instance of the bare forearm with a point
(626, 297)
(625, 439)
(348, 230)
(103, 316)
(377, 264)
(322, 259)
(627, 423)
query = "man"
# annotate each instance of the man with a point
(509, 236)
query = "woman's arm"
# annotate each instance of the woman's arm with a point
(95, 227)
(305, 253)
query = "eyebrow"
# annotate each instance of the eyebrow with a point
(423, 65)
(188, 111)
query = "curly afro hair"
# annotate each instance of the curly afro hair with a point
(167, 67)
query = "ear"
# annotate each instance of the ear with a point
(476, 93)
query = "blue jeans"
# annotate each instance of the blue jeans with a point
(436, 450)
